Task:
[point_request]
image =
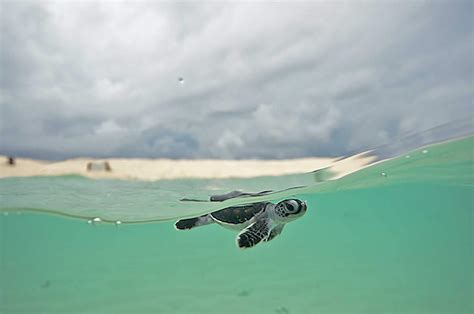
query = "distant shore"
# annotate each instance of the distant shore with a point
(159, 169)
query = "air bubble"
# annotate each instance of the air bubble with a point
(407, 156)
(181, 80)
(118, 223)
(95, 220)
(424, 151)
(383, 174)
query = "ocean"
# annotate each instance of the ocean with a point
(395, 237)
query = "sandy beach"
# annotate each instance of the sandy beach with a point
(158, 169)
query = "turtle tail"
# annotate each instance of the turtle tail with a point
(187, 224)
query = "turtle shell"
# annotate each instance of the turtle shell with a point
(239, 214)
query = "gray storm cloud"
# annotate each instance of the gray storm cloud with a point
(269, 80)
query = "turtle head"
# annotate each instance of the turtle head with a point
(290, 209)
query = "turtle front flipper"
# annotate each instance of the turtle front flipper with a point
(187, 224)
(253, 234)
(275, 231)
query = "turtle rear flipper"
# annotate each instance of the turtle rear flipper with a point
(253, 234)
(187, 224)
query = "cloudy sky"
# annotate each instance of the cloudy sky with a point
(266, 80)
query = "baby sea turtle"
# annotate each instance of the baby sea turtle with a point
(261, 221)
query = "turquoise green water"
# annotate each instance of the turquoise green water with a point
(370, 243)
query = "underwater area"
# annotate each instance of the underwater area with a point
(395, 237)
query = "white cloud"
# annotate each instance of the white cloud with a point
(270, 80)
(109, 127)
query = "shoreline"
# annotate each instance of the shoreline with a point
(161, 169)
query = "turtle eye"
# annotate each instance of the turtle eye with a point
(290, 207)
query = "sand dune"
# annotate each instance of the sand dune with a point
(157, 169)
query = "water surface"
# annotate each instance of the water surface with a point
(396, 237)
